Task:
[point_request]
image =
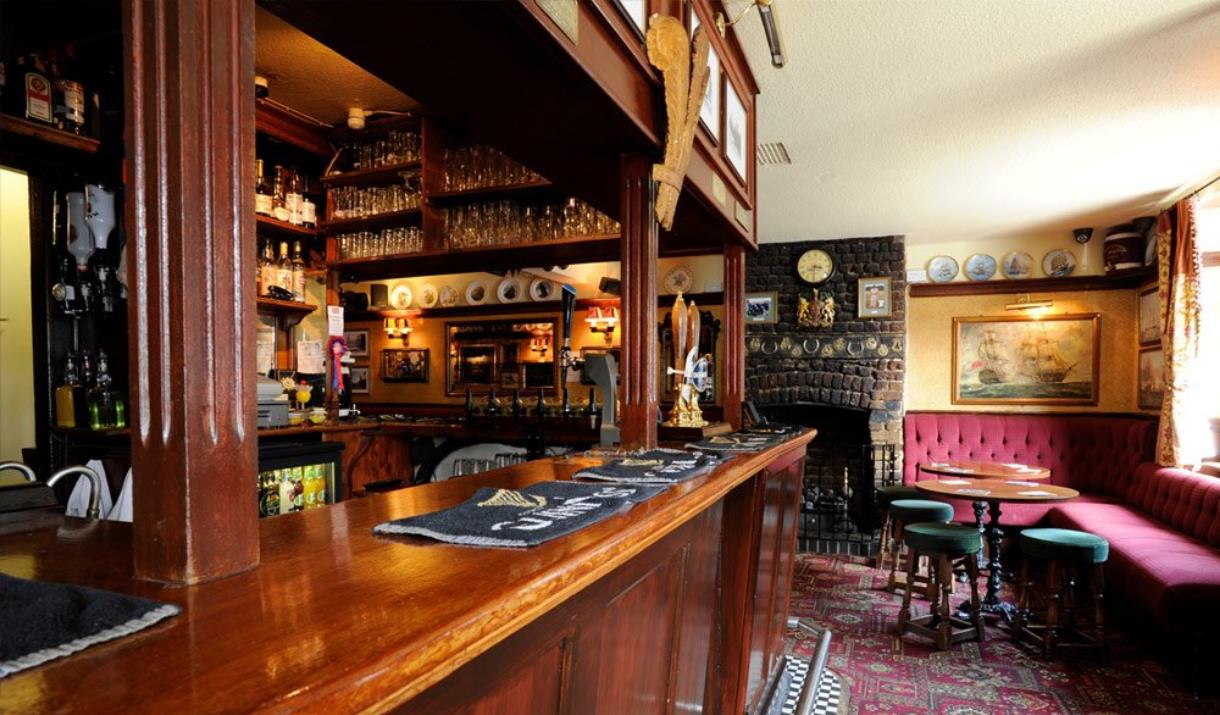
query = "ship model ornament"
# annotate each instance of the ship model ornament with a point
(686, 78)
(818, 313)
(689, 365)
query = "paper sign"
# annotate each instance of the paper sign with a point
(975, 492)
(1022, 484)
(1036, 493)
(266, 351)
(334, 321)
(954, 481)
(310, 357)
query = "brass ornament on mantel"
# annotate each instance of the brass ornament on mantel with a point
(818, 313)
(686, 78)
(689, 365)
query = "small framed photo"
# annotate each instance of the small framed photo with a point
(510, 379)
(358, 380)
(873, 298)
(1151, 378)
(405, 365)
(762, 308)
(357, 342)
(736, 131)
(1150, 316)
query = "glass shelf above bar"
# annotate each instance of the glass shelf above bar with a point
(371, 177)
(370, 223)
(584, 249)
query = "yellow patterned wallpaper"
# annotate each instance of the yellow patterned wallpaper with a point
(930, 347)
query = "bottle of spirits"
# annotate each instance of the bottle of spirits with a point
(65, 395)
(102, 398)
(298, 273)
(286, 489)
(284, 272)
(279, 208)
(268, 270)
(69, 94)
(64, 291)
(293, 197)
(36, 104)
(309, 210)
(263, 204)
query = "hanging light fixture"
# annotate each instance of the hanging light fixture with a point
(770, 22)
(603, 319)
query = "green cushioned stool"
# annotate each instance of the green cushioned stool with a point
(945, 545)
(911, 511)
(886, 496)
(1053, 621)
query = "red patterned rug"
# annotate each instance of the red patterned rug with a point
(884, 674)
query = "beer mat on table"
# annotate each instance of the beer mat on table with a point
(736, 442)
(41, 621)
(525, 517)
(654, 466)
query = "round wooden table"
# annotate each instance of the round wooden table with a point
(992, 492)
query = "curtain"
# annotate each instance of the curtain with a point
(1178, 292)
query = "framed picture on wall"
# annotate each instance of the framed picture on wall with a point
(873, 298)
(1149, 316)
(357, 342)
(762, 308)
(1026, 360)
(637, 11)
(358, 380)
(405, 365)
(1151, 378)
(736, 133)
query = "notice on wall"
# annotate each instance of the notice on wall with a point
(310, 357)
(266, 350)
(334, 320)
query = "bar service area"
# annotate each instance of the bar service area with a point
(387, 356)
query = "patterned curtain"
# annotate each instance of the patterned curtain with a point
(1179, 268)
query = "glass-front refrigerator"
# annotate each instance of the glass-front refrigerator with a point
(295, 477)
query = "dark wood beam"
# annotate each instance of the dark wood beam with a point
(190, 218)
(734, 332)
(640, 245)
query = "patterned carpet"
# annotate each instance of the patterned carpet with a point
(883, 674)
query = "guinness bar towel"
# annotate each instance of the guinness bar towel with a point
(526, 517)
(42, 621)
(737, 442)
(654, 466)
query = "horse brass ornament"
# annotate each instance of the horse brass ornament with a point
(686, 79)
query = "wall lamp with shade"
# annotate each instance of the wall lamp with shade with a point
(770, 21)
(1032, 307)
(603, 319)
(398, 328)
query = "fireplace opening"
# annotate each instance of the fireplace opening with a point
(843, 470)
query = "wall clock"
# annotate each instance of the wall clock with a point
(815, 266)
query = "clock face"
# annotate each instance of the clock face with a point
(815, 266)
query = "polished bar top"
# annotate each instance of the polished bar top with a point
(334, 619)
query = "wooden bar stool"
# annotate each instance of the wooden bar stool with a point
(885, 497)
(943, 544)
(912, 511)
(1066, 553)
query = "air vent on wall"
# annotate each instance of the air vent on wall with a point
(773, 153)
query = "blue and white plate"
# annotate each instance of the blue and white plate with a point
(942, 269)
(1059, 263)
(980, 267)
(1018, 264)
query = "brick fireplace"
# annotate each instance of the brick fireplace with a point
(846, 380)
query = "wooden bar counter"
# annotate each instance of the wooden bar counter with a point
(677, 605)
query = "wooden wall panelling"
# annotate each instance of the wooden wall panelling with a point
(190, 213)
(639, 247)
(371, 456)
(738, 568)
(734, 332)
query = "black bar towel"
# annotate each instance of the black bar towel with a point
(737, 442)
(526, 517)
(42, 621)
(654, 466)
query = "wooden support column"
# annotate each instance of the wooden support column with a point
(640, 246)
(734, 332)
(191, 257)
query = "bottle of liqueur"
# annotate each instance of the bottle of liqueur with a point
(298, 273)
(284, 269)
(309, 210)
(37, 91)
(104, 412)
(69, 94)
(65, 395)
(263, 201)
(268, 269)
(279, 208)
(292, 197)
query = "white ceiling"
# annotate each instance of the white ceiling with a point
(951, 120)
(313, 79)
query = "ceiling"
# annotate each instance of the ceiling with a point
(962, 120)
(313, 79)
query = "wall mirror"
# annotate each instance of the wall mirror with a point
(501, 354)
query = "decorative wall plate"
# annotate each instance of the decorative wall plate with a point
(1018, 264)
(449, 297)
(1059, 263)
(679, 280)
(510, 290)
(541, 290)
(980, 267)
(942, 269)
(428, 295)
(476, 293)
(400, 297)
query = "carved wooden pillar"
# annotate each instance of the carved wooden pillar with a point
(638, 379)
(190, 213)
(734, 332)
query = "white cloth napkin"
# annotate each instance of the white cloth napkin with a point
(78, 501)
(122, 505)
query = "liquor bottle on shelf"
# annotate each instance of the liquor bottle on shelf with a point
(106, 408)
(298, 273)
(66, 395)
(309, 212)
(36, 103)
(107, 288)
(298, 489)
(64, 291)
(268, 270)
(69, 94)
(279, 208)
(263, 202)
(292, 197)
(283, 274)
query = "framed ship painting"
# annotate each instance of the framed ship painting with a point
(1151, 378)
(1026, 360)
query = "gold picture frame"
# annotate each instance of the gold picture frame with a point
(874, 297)
(1026, 360)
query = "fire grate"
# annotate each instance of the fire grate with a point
(839, 513)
